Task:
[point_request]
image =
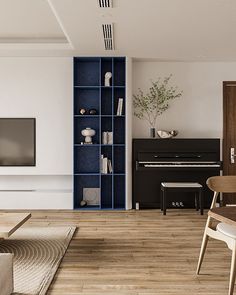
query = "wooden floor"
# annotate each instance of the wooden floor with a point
(138, 253)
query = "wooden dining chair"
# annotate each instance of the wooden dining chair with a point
(223, 232)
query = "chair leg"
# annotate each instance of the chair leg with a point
(201, 201)
(203, 246)
(232, 271)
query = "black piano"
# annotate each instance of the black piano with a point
(173, 160)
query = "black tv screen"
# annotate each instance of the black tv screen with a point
(17, 141)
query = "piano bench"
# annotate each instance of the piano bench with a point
(184, 187)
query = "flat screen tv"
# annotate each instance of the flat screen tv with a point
(17, 141)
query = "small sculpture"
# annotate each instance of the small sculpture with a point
(82, 111)
(108, 76)
(167, 134)
(88, 133)
(92, 112)
(83, 203)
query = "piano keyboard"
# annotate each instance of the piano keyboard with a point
(181, 165)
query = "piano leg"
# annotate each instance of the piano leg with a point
(161, 200)
(197, 200)
(164, 201)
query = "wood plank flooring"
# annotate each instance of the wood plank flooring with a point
(137, 253)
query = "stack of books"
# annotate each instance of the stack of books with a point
(119, 107)
(106, 166)
(107, 137)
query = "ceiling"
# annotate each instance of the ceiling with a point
(175, 30)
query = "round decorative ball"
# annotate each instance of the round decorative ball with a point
(83, 203)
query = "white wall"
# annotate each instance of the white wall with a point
(39, 87)
(198, 113)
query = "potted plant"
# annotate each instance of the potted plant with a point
(152, 104)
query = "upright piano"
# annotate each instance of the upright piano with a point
(173, 160)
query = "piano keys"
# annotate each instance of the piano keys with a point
(172, 160)
(181, 165)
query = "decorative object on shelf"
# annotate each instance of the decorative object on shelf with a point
(152, 104)
(107, 137)
(83, 203)
(167, 134)
(88, 133)
(104, 137)
(92, 112)
(82, 111)
(119, 107)
(108, 76)
(91, 195)
(109, 166)
(105, 165)
(174, 133)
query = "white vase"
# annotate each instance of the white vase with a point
(88, 133)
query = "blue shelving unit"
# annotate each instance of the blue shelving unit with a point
(90, 92)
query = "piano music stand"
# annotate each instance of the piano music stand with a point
(181, 186)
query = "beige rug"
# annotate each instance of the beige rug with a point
(37, 255)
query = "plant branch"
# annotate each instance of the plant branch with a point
(152, 104)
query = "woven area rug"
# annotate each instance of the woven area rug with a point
(37, 255)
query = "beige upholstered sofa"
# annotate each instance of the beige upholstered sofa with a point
(6, 273)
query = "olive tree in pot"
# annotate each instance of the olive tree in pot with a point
(152, 104)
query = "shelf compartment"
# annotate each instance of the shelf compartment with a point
(106, 126)
(87, 71)
(106, 191)
(119, 159)
(119, 130)
(119, 71)
(119, 192)
(118, 93)
(106, 151)
(81, 123)
(86, 160)
(86, 99)
(85, 181)
(106, 101)
(106, 66)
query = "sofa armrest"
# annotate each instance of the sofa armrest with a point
(6, 273)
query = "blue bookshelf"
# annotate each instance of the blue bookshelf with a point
(90, 92)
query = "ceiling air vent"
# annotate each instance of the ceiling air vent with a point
(105, 3)
(108, 36)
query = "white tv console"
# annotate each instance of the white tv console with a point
(36, 192)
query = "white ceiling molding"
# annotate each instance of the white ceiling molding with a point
(108, 36)
(54, 11)
(23, 40)
(105, 3)
(27, 47)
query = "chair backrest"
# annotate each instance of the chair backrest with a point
(222, 184)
